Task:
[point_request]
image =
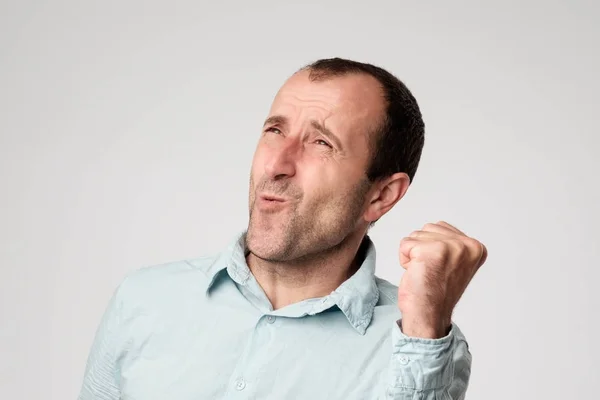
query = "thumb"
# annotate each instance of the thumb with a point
(404, 253)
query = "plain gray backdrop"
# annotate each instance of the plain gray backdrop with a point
(127, 131)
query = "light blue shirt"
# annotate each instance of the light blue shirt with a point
(204, 329)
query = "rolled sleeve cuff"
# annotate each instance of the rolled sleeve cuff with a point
(421, 364)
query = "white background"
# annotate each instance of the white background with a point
(127, 131)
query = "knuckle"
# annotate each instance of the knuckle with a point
(429, 226)
(460, 250)
(459, 245)
(474, 244)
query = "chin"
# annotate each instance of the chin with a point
(267, 244)
(263, 250)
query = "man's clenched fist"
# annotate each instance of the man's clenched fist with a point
(440, 261)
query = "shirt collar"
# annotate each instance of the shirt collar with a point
(356, 297)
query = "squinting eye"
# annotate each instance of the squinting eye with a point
(322, 142)
(274, 130)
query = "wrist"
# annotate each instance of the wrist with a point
(425, 328)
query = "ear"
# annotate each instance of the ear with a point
(387, 193)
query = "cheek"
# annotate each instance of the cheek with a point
(323, 186)
(331, 189)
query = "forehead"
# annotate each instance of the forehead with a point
(353, 102)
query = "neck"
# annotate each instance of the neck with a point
(287, 283)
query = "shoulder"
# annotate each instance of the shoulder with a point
(171, 272)
(167, 281)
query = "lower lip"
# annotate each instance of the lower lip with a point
(270, 205)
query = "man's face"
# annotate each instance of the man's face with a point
(308, 183)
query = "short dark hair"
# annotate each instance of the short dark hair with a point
(399, 138)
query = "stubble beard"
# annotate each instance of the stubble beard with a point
(298, 238)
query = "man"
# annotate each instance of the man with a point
(292, 308)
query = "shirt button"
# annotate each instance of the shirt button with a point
(240, 384)
(403, 360)
(270, 319)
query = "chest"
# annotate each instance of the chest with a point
(252, 356)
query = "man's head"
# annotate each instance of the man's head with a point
(339, 148)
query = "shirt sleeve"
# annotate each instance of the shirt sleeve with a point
(101, 376)
(428, 369)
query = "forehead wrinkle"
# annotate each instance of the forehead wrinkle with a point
(324, 114)
(316, 110)
(314, 99)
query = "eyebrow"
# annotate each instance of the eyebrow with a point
(276, 120)
(281, 120)
(326, 132)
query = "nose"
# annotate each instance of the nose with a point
(282, 161)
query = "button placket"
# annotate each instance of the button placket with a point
(402, 359)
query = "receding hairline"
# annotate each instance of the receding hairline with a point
(319, 74)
